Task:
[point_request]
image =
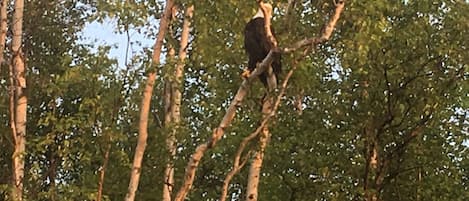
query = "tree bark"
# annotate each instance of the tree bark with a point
(168, 182)
(102, 172)
(20, 102)
(176, 109)
(267, 101)
(52, 175)
(3, 30)
(256, 163)
(371, 163)
(173, 104)
(267, 106)
(220, 130)
(168, 177)
(145, 107)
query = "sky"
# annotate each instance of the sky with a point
(104, 34)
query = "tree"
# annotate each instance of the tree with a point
(377, 112)
(3, 29)
(145, 107)
(19, 102)
(173, 98)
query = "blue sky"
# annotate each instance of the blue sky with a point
(104, 34)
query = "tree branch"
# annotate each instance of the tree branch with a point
(267, 11)
(326, 32)
(236, 168)
(216, 135)
(237, 100)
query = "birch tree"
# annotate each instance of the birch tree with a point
(3, 29)
(267, 108)
(377, 110)
(173, 100)
(145, 106)
(20, 101)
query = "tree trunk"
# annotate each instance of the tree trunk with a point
(53, 161)
(168, 182)
(176, 109)
(173, 104)
(3, 29)
(145, 107)
(371, 163)
(267, 101)
(168, 177)
(102, 172)
(256, 164)
(20, 102)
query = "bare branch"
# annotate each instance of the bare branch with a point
(220, 130)
(236, 168)
(216, 135)
(260, 128)
(102, 172)
(326, 32)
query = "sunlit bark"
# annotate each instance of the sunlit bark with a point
(173, 104)
(102, 172)
(3, 29)
(145, 106)
(267, 107)
(267, 101)
(20, 101)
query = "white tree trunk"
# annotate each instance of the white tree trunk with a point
(145, 107)
(20, 102)
(3, 29)
(173, 108)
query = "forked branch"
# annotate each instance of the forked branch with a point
(217, 132)
(241, 93)
(253, 135)
(325, 34)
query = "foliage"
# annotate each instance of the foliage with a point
(391, 67)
